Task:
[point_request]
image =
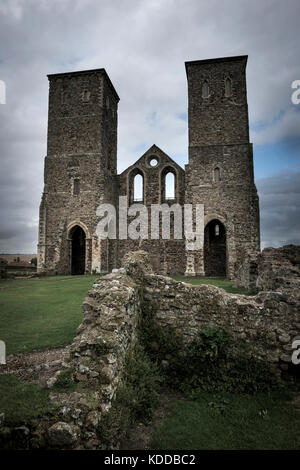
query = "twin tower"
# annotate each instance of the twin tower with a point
(81, 173)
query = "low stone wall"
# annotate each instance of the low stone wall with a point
(266, 323)
(111, 312)
(3, 268)
(272, 269)
(20, 271)
(279, 268)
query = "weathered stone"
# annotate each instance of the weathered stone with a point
(51, 382)
(92, 420)
(63, 434)
(274, 269)
(22, 431)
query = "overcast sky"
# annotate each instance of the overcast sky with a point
(143, 45)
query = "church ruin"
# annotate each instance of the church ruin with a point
(81, 173)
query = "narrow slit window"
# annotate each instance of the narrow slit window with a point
(86, 95)
(138, 188)
(76, 187)
(217, 176)
(63, 97)
(205, 90)
(217, 230)
(228, 87)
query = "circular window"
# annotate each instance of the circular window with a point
(153, 162)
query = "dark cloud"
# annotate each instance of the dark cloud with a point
(280, 209)
(143, 45)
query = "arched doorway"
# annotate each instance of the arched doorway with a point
(77, 236)
(215, 249)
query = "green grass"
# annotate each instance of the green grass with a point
(230, 422)
(228, 286)
(22, 401)
(37, 314)
(41, 313)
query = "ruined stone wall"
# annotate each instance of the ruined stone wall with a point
(273, 269)
(166, 256)
(265, 324)
(3, 268)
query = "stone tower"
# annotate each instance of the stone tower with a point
(220, 169)
(80, 172)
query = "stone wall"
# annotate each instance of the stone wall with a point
(21, 270)
(3, 268)
(166, 256)
(266, 325)
(274, 269)
(207, 125)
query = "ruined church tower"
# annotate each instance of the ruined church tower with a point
(220, 169)
(80, 172)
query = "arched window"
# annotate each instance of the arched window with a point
(205, 89)
(138, 188)
(170, 186)
(228, 87)
(217, 175)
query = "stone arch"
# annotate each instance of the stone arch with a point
(208, 218)
(215, 248)
(80, 224)
(131, 178)
(78, 237)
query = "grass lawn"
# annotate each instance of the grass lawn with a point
(230, 422)
(228, 286)
(22, 401)
(37, 314)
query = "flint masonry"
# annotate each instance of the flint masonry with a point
(81, 173)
